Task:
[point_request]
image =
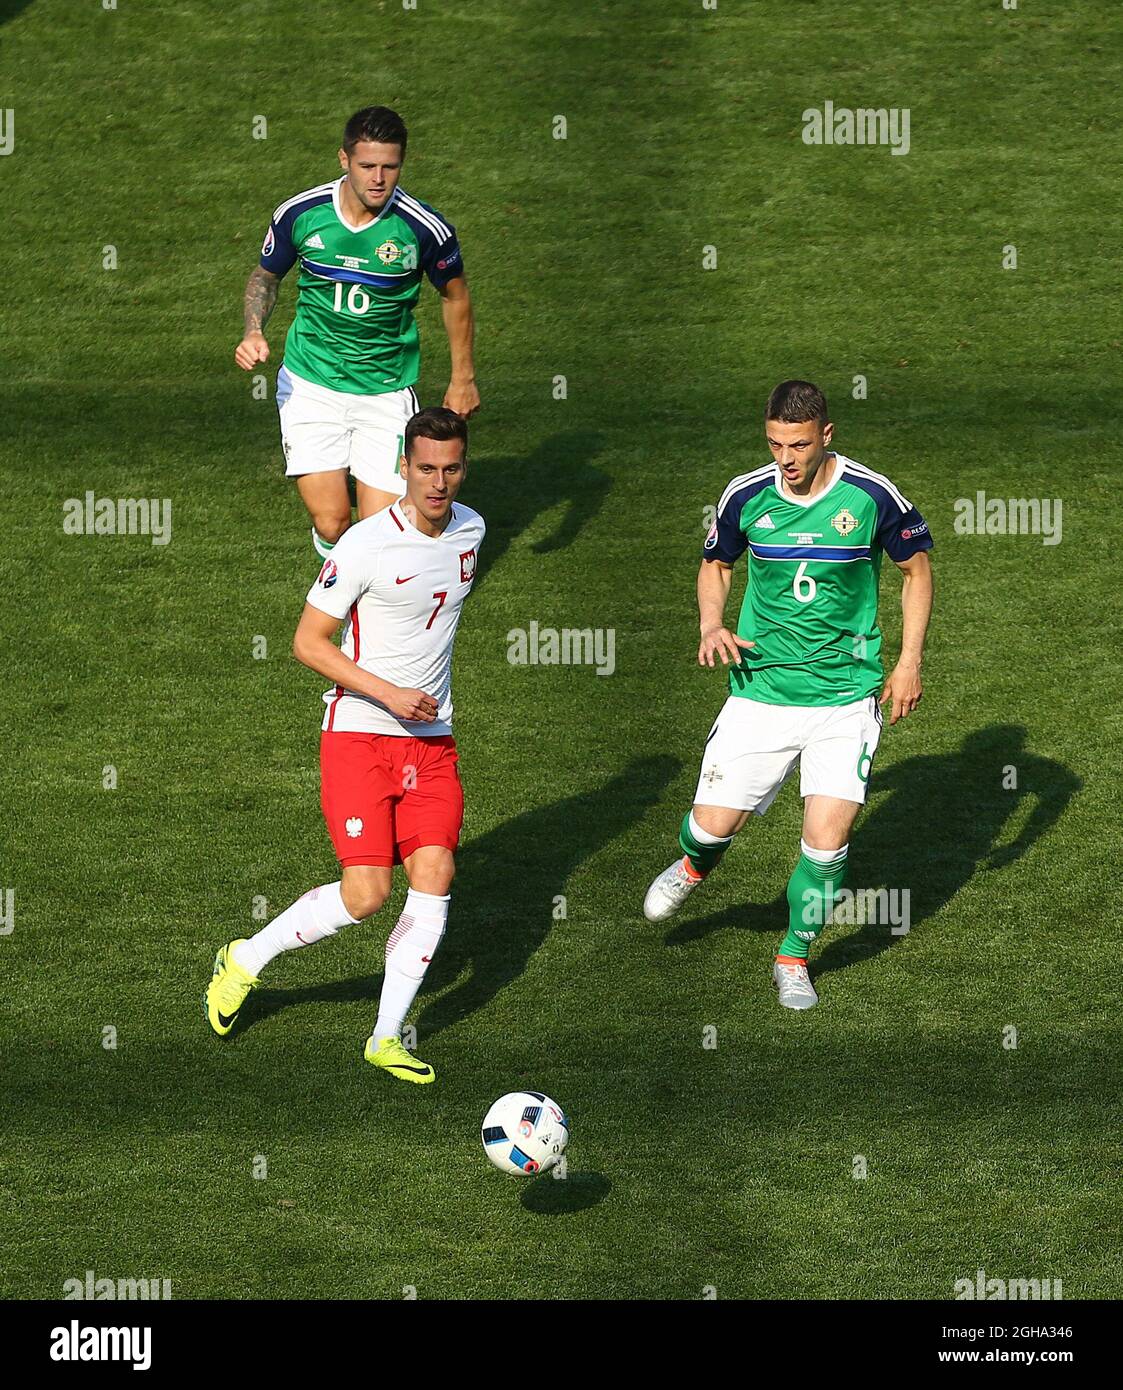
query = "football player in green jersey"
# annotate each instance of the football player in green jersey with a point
(345, 389)
(805, 682)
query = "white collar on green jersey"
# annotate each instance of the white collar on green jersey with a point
(839, 468)
(335, 192)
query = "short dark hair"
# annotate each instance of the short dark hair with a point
(795, 402)
(377, 123)
(436, 422)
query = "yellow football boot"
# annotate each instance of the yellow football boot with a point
(227, 991)
(391, 1056)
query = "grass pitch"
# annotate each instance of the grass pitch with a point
(734, 1167)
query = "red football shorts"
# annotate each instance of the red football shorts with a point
(385, 795)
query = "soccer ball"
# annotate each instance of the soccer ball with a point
(525, 1132)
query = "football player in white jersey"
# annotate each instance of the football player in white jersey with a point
(390, 790)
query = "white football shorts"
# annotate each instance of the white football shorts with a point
(324, 430)
(753, 748)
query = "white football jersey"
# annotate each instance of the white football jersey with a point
(401, 593)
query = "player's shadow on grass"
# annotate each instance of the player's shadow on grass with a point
(10, 8)
(265, 1002)
(511, 493)
(508, 882)
(503, 900)
(940, 824)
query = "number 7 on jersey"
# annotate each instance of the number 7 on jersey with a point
(440, 595)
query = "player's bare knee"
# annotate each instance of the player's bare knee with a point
(436, 884)
(431, 870)
(720, 820)
(826, 836)
(364, 893)
(365, 902)
(330, 525)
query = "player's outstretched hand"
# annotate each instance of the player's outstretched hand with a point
(719, 641)
(412, 704)
(463, 397)
(904, 688)
(251, 350)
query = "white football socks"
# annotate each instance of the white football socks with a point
(317, 914)
(823, 856)
(411, 947)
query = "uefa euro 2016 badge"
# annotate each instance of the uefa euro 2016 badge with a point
(844, 522)
(328, 575)
(388, 252)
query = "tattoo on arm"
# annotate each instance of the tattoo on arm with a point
(261, 296)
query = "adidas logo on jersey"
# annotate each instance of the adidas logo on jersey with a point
(314, 242)
(765, 523)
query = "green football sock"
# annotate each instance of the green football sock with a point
(703, 857)
(322, 547)
(812, 891)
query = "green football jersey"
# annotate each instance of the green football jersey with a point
(354, 328)
(811, 600)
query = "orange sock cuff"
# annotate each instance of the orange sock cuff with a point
(690, 869)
